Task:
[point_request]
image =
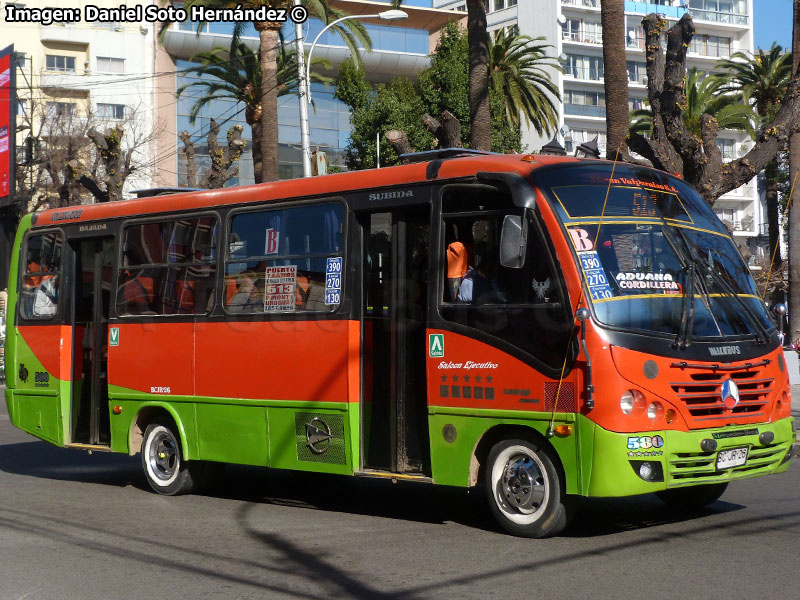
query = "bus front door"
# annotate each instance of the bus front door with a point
(394, 414)
(93, 267)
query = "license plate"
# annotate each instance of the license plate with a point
(735, 457)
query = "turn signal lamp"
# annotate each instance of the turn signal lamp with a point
(785, 400)
(632, 401)
(563, 430)
(669, 416)
(117, 410)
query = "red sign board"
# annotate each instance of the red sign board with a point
(8, 106)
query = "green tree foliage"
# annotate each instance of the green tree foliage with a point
(761, 78)
(705, 96)
(376, 110)
(402, 103)
(445, 84)
(517, 74)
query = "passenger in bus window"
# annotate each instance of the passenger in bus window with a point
(45, 301)
(479, 285)
(310, 291)
(246, 298)
(30, 284)
(136, 294)
(457, 259)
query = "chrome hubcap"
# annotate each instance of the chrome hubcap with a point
(164, 456)
(522, 484)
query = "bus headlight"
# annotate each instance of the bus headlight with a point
(655, 410)
(632, 400)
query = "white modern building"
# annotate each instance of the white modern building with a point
(574, 30)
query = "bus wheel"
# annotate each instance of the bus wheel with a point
(166, 471)
(525, 492)
(696, 496)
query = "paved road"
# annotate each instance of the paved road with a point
(79, 526)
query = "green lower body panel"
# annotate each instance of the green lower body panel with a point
(455, 436)
(39, 415)
(270, 433)
(611, 466)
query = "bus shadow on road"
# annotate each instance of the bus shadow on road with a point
(40, 459)
(406, 501)
(439, 504)
(607, 516)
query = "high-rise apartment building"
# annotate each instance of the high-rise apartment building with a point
(574, 30)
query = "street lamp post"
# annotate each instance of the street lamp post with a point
(304, 86)
(305, 77)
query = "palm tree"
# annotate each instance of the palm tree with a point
(704, 96)
(517, 72)
(762, 79)
(236, 73)
(269, 38)
(612, 17)
(479, 115)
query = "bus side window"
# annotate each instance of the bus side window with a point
(525, 307)
(39, 292)
(285, 260)
(168, 267)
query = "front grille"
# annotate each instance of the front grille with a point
(701, 396)
(696, 467)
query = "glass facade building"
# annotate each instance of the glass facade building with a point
(329, 119)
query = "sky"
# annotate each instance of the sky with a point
(773, 23)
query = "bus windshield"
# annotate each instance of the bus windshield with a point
(654, 256)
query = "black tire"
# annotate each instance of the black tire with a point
(694, 497)
(162, 460)
(525, 493)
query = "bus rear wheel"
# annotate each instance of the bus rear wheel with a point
(166, 471)
(694, 497)
(526, 495)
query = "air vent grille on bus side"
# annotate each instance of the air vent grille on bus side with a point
(320, 438)
(566, 396)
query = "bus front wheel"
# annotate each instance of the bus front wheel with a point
(525, 492)
(164, 467)
(694, 497)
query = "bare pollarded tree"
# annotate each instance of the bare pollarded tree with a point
(76, 157)
(224, 165)
(673, 147)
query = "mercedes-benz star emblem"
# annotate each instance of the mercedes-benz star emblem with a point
(730, 394)
(318, 436)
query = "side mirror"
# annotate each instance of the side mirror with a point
(513, 241)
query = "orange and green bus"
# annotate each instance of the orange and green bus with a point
(544, 327)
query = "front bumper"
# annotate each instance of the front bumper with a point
(677, 459)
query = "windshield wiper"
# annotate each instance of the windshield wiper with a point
(726, 287)
(729, 291)
(683, 340)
